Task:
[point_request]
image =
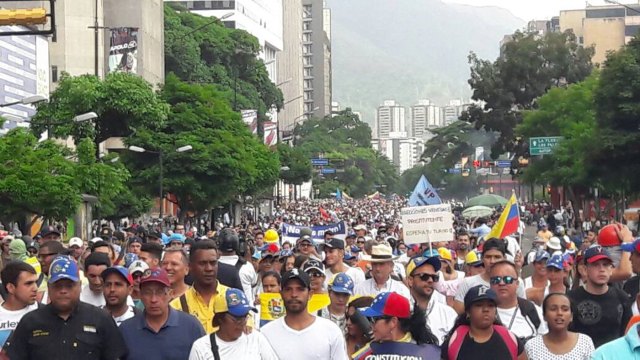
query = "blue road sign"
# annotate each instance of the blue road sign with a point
(328, 171)
(503, 163)
(319, 162)
(455, 171)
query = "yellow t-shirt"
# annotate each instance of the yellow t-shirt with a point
(198, 308)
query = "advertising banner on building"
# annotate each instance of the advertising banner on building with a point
(250, 118)
(123, 50)
(270, 133)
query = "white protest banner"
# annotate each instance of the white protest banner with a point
(422, 224)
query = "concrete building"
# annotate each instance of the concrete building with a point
(607, 27)
(290, 67)
(390, 118)
(316, 52)
(404, 152)
(419, 118)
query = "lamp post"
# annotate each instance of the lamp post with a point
(160, 157)
(623, 5)
(282, 169)
(26, 101)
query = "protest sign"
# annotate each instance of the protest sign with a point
(291, 233)
(395, 350)
(422, 224)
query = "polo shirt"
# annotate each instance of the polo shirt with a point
(197, 307)
(173, 341)
(88, 333)
(627, 347)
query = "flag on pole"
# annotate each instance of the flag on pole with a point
(338, 194)
(325, 215)
(508, 222)
(424, 194)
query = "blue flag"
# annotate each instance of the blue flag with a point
(338, 194)
(424, 194)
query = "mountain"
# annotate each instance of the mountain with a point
(409, 49)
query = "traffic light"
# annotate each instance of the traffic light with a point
(23, 16)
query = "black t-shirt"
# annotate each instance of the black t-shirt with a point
(632, 287)
(494, 349)
(602, 317)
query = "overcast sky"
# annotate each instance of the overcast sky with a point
(535, 9)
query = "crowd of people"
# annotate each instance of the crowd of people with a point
(249, 292)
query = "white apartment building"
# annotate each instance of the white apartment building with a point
(404, 152)
(390, 118)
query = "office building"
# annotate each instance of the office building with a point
(390, 119)
(290, 68)
(607, 27)
(403, 152)
(316, 56)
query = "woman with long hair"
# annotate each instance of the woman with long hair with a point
(358, 327)
(559, 342)
(393, 323)
(479, 331)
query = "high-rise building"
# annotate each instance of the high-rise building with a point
(607, 27)
(290, 67)
(419, 118)
(404, 152)
(316, 56)
(391, 119)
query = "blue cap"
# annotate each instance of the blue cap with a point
(479, 293)
(355, 249)
(632, 246)
(237, 303)
(176, 237)
(63, 267)
(431, 253)
(556, 261)
(120, 270)
(416, 262)
(341, 283)
(129, 258)
(349, 256)
(165, 238)
(285, 253)
(541, 255)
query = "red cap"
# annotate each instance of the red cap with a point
(608, 236)
(157, 275)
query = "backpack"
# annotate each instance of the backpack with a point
(455, 342)
(528, 310)
(183, 303)
(214, 346)
(240, 263)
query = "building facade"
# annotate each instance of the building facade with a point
(316, 55)
(390, 118)
(403, 152)
(290, 67)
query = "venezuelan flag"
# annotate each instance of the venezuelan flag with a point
(508, 222)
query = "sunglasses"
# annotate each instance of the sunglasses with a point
(316, 274)
(426, 277)
(374, 319)
(508, 280)
(238, 319)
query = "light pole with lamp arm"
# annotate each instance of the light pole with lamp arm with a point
(25, 101)
(160, 156)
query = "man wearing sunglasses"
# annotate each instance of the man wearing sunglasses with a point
(520, 316)
(422, 276)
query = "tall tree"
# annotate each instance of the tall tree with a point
(528, 66)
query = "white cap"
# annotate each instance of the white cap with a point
(138, 265)
(75, 241)
(554, 243)
(95, 240)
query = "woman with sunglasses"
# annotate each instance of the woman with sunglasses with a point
(359, 331)
(559, 343)
(396, 328)
(230, 340)
(478, 333)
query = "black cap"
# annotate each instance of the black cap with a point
(334, 243)
(48, 230)
(106, 233)
(135, 239)
(155, 234)
(313, 264)
(296, 274)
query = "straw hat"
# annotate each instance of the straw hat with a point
(380, 253)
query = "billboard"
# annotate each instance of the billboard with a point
(250, 118)
(270, 133)
(123, 50)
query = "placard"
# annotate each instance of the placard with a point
(424, 224)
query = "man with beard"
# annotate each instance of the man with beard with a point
(299, 334)
(334, 261)
(422, 276)
(66, 328)
(463, 248)
(117, 286)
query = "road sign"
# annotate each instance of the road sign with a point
(503, 163)
(543, 145)
(319, 162)
(455, 171)
(328, 171)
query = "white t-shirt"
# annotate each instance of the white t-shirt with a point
(471, 281)
(440, 318)
(537, 350)
(89, 297)
(520, 325)
(246, 272)
(322, 340)
(528, 283)
(356, 274)
(369, 288)
(9, 321)
(126, 316)
(253, 346)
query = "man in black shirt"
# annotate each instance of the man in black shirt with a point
(66, 328)
(599, 310)
(632, 286)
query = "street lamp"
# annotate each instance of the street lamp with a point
(85, 117)
(160, 154)
(26, 100)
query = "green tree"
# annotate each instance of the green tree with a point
(226, 158)
(528, 66)
(36, 178)
(123, 102)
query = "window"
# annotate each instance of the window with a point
(306, 49)
(605, 13)
(307, 60)
(308, 84)
(306, 26)
(54, 73)
(306, 37)
(307, 72)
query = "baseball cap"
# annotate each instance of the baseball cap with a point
(106, 233)
(75, 241)
(134, 239)
(389, 304)
(234, 302)
(556, 261)
(341, 283)
(479, 293)
(176, 237)
(157, 275)
(445, 253)
(421, 260)
(138, 265)
(348, 256)
(95, 240)
(154, 234)
(63, 267)
(120, 270)
(595, 253)
(632, 246)
(296, 274)
(473, 259)
(334, 243)
(304, 238)
(48, 230)
(313, 264)
(541, 255)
